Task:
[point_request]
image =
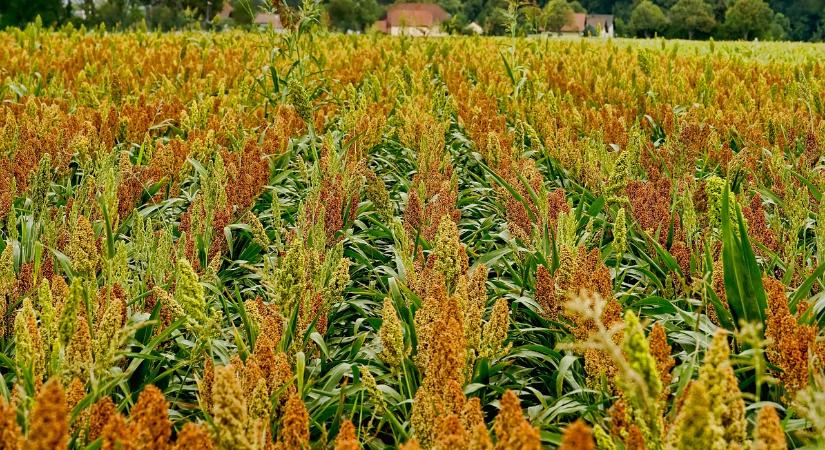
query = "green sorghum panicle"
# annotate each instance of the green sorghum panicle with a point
(71, 309)
(643, 394)
(714, 188)
(393, 350)
(620, 233)
(29, 353)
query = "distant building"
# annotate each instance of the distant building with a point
(474, 28)
(601, 23)
(576, 25)
(261, 18)
(413, 19)
(595, 24)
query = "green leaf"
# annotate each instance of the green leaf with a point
(743, 278)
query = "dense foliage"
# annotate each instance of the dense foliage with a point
(802, 20)
(241, 240)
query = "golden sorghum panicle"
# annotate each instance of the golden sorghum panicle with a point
(229, 410)
(101, 412)
(428, 406)
(193, 437)
(661, 352)
(116, 434)
(718, 378)
(282, 376)
(294, 424)
(10, 436)
(250, 375)
(206, 382)
(551, 307)
(425, 322)
(29, 352)
(272, 322)
(264, 357)
(447, 352)
(393, 350)
(695, 425)
(471, 413)
(474, 307)
(78, 360)
(49, 421)
(447, 251)
(577, 436)
(149, 420)
(82, 249)
(472, 418)
(513, 431)
(790, 341)
(450, 434)
(346, 439)
(495, 331)
(410, 445)
(768, 433)
(74, 394)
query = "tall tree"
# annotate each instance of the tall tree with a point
(647, 19)
(691, 17)
(804, 16)
(21, 12)
(748, 19)
(557, 14)
(353, 15)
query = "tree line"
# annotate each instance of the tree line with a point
(802, 20)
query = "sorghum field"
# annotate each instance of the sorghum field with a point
(251, 240)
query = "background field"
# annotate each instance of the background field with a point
(251, 240)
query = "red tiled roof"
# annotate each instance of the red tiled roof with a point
(415, 15)
(268, 19)
(381, 26)
(576, 25)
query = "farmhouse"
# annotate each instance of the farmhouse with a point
(601, 24)
(261, 18)
(413, 19)
(575, 25)
(589, 24)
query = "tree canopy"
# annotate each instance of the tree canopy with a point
(647, 19)
(689, 18)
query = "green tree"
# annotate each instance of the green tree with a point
(780, 28)
(353, 14)
(577, 7)
(243, 11)
(557, 14)
(533, 18)
(748, 19)
(690, 17)
(647, 19)
(21, 12)
(119, 14)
